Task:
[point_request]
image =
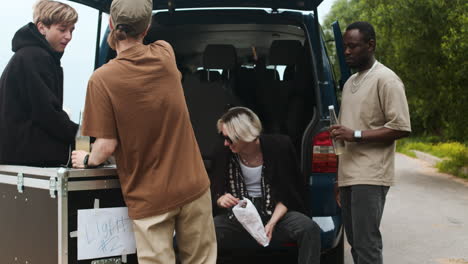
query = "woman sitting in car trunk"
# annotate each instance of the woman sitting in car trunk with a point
(264, 169)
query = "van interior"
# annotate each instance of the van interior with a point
(241, 58)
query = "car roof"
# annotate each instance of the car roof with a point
(304, 5)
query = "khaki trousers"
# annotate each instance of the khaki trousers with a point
(195, 233)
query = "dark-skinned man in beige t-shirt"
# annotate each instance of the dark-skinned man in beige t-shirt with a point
(136, 109)
(374, 113)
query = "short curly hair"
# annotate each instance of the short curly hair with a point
(366, 29)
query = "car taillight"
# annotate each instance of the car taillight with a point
(324, 159)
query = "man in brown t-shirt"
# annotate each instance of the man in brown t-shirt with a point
(374, 113)
(136, 109)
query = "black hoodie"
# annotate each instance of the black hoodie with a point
(34, 130)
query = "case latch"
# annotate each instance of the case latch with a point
(20, 182)
(61, 182)
(53, 187)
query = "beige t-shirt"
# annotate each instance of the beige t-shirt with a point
(137, 98)
(377, 100)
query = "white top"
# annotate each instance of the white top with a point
(252, 178)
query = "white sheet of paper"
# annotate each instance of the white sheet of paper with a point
(105, 232)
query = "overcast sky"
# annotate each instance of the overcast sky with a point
(78, 60)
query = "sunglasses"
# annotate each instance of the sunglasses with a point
(228, 139)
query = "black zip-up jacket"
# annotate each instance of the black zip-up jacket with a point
(34, 129)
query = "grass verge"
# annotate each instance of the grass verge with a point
(455, 154)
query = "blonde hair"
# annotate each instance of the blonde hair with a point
(53, 12)
(241, 124)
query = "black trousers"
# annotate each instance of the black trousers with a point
(362, 209)
(292, 227)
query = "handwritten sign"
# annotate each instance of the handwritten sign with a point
(105, 232)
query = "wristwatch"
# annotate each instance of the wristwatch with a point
(357, 135)
(85, 161)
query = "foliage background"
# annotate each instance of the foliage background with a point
(454, 155)
(426, 43)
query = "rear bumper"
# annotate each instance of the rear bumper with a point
(331, 229)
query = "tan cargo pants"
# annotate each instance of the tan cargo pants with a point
(195, 233)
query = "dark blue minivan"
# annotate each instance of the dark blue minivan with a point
(270, 56)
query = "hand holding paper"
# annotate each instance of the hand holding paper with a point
(248, 216)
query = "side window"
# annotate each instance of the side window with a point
(333, 45)
(330, 52)
(330, 61)
(344, 70)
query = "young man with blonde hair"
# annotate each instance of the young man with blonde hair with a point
(34, 129)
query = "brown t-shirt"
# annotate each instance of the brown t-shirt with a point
(137, 98)
(371, 100)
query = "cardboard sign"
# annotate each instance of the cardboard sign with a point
(105, 232)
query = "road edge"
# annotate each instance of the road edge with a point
(429, 167)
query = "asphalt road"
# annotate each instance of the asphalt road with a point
(425, 219)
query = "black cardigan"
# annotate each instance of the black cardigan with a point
(34, 130)
(281, 167)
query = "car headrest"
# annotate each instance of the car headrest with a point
(272, 74)
(219, 57)
(289, 73)
(207, 75)
(285, 52)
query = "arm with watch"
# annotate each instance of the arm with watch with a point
(102, 149)
(382, 134)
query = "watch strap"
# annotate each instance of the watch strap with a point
(85, 161)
